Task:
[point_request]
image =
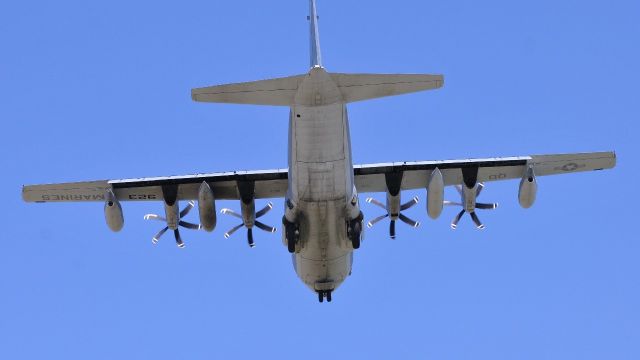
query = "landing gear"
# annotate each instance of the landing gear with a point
(322, 294)
(354, 231)
(292, 234)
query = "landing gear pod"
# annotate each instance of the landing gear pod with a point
(528, 188)
(435, 194)
(113, 212)
(207, 207)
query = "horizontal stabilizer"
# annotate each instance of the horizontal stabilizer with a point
(358, 87)
(280, 91)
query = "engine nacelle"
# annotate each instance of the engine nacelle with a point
(207, 207)
(435, 194)
(113, 212)
(393, 205)
(528, 189)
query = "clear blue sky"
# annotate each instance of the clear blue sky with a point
(96, 90)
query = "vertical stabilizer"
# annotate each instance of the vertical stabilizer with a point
(316, 56)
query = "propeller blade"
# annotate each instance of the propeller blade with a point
(154, 217)
(451, 203)
(376, 203)
(189, 225)
(454, 223)
(179, 241)
(234, 229)
(264, 210)
(155, 239)
(459, 189)
(250, 237)
(188, 208)
(392, 229)
(479, 189)
(264, 227)
(376, 220)
(486, 206)
(408, 221)
(230, 212)
(409, 204)
(475, 219)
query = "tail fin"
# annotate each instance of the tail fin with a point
(316, 55)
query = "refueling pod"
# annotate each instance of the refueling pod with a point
(113, 212)
(435, 194)
(207, 207)
(528, 188)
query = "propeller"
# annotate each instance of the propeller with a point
(400, 216)
(176, 232)
(249, 225)
(476, 205)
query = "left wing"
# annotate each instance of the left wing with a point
(268, 184)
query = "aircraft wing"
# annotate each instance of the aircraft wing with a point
(371, 178)
(273, 183)
(268, 184)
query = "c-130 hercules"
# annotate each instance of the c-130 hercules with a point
(322, 222)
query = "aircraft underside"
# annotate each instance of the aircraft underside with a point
(322, 224)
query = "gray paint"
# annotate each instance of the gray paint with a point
(321, 181)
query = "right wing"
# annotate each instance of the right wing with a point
(371, 178)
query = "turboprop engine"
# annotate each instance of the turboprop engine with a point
(528, 189)
(248, 213)
(394, 208)
(468, 197)
(113, 212)
(172, 215)
(207, 207)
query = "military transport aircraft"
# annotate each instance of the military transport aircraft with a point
(323, 222)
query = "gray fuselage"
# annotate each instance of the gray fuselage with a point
(321, 187)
